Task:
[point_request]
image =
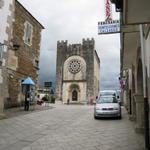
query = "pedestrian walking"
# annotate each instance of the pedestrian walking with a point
(68, 101)
(27, 101)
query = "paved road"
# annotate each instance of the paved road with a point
(68, 128)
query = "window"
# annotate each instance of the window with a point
(74, 66)
(28, 33)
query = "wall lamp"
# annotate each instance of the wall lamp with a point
(14, 45)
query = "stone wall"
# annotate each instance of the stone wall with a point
(23, 62)
(87, 51)
(96, 74)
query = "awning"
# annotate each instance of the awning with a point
(28, 81)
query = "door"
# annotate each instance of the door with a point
(74, 95)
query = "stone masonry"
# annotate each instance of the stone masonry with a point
(23, 62)
(86, 50)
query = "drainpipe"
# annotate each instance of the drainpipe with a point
(146, 106)
(130, 86)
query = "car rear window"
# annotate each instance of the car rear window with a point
(107, 100)
(107, 93)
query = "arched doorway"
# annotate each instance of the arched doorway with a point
(74, 95)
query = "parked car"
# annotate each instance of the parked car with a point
(108, 93)
(115, 93)
(107, 106)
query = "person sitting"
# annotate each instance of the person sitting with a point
(39, 101)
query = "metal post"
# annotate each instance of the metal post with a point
(146, 106)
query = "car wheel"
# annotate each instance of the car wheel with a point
(120, 116)
(95, 117)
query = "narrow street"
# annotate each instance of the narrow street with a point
(68, 128)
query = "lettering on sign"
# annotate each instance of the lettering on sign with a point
(109, 27)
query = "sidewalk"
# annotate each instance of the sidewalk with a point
(17, 111)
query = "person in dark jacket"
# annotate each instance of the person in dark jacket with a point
(68, 101)
(27, 101)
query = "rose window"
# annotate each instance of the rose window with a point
(74, 66)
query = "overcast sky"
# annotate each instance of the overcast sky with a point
(73, 20)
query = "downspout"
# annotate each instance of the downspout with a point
(146, 106)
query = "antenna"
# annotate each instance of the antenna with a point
(108, 11)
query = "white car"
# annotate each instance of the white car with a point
(107, 106)
(108, 93)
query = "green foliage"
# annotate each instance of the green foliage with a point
(46, 98)
(50, 99)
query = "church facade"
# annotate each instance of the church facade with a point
(77, 71)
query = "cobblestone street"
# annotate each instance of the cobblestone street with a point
(68, 128)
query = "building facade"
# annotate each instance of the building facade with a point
(6, 15)
(24, 62)
(77, 71)
(20, 36)
(135, 62)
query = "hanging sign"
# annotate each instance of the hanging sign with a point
(109, 27)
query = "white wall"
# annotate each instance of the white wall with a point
(6, 10)
(78, 79)
(147, 48)
(4, 13)
(96, 76)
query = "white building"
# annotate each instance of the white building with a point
(6, 15)
(135, 61)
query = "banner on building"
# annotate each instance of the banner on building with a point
(109, 27)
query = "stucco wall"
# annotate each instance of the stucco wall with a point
(6, 18)
(96, 74)
(147, 48)
(5, 12)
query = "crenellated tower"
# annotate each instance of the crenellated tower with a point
(77, 56)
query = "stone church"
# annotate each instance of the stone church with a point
(77, 71)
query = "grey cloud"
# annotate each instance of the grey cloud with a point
(73, 20)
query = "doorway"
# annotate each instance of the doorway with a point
(74, 95)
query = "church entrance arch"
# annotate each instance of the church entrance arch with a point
(74, 92)
(74, 95)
